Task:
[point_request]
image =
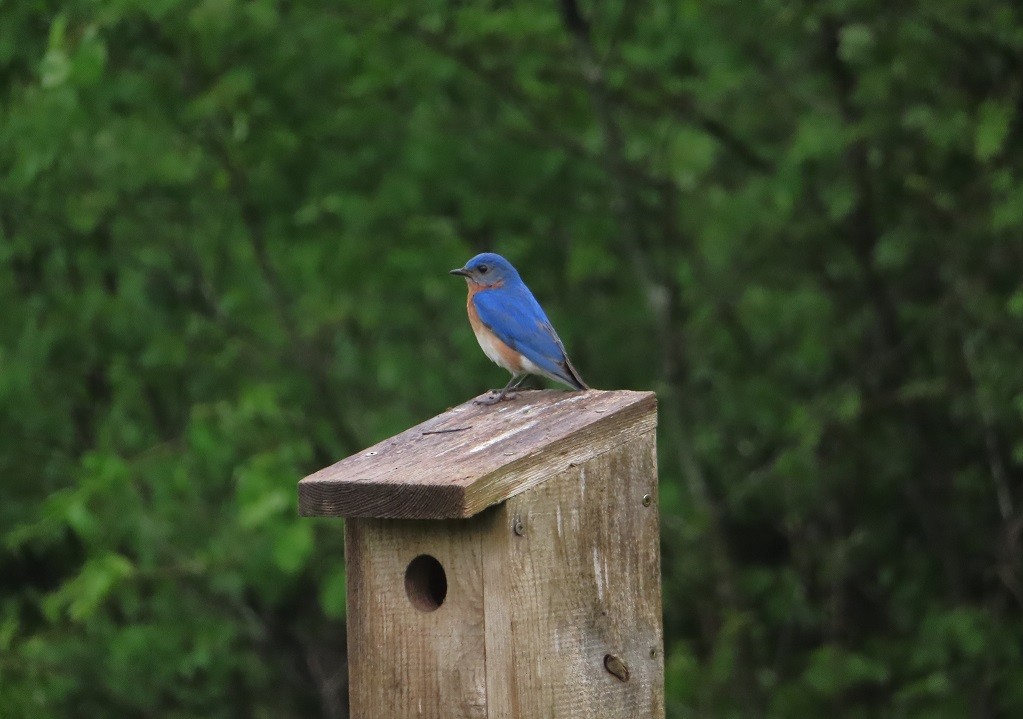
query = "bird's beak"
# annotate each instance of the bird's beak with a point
(460, 271)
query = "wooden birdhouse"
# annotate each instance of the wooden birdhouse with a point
(503, 561)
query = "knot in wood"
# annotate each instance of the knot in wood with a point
(616, 667)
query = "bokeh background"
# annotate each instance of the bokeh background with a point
(225, 228)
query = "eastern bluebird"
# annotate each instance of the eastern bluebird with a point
(510, 325)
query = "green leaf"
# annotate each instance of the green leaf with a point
(333, 593)
(82, 596)
(293, 546)
(993, 123)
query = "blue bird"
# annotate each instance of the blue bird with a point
(511, 327)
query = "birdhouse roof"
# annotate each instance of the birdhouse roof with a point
(472, 456)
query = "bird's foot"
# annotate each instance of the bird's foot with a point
(494, 397)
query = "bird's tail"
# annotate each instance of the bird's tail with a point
(572, 377)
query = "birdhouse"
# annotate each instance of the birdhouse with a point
(504, 561)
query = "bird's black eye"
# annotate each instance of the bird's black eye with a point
(482, 269)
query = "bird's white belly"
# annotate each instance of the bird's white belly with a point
(491, 348)
(496, 351)
(528, 366)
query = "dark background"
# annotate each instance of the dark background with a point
(225, 229)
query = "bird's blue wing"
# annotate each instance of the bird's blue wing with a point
(514, 315)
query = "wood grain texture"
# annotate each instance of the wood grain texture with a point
(472, 457)
(404, 662)
(552, 607)
(552, 611)
(573, 605)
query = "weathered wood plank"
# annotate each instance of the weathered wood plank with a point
(405, 662)
(472, 456)
(573, 603)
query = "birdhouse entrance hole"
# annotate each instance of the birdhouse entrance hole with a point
(426, 583)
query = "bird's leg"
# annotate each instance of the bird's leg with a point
(514, 382)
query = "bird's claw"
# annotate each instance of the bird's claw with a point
(495, 397)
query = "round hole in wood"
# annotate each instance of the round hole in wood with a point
(426, 583)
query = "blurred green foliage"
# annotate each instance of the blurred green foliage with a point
(224, 234)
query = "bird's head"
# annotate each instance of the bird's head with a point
(488, 270)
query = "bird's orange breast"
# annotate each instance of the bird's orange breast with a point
(492, 345)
